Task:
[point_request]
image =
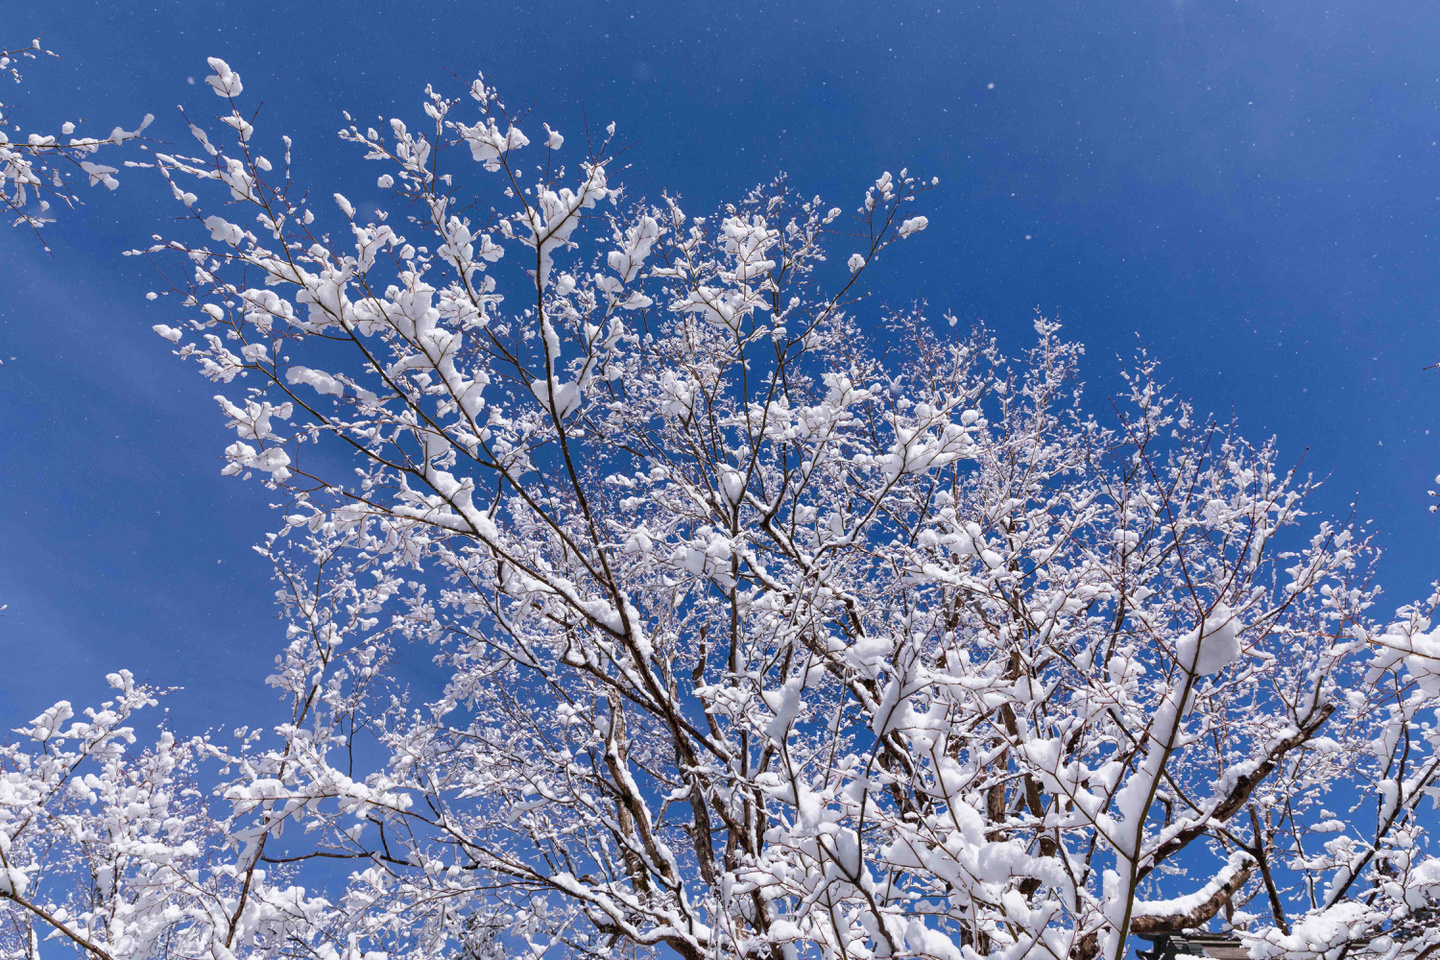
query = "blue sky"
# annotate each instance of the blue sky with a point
(1250, 190)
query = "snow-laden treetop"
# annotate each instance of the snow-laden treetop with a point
(767, 622)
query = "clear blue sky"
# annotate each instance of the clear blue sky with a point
(1250, 189)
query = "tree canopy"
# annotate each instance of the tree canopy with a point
(650, 587)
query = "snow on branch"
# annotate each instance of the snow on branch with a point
(36, 168)
(648, 585)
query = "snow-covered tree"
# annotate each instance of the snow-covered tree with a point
(650, 588)
(36, 168)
